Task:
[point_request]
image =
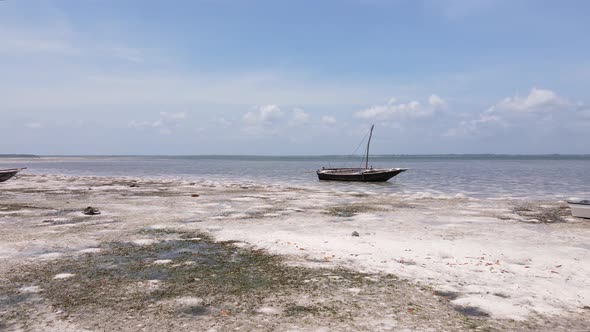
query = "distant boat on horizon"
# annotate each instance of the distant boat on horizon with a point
(365, 174)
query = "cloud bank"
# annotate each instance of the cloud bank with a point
(540, 110)
(394, 110)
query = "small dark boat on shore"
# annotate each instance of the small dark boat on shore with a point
(367, 174)
(6, 174)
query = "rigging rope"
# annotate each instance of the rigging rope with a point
(358, 146)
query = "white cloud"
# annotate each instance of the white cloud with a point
(537, 101)
(475, 126)
(173, 116)
(221, 122)
(299, 117)
(165, 124)
(327, 119)
(538, 104)
(540, 108)
(436, 101)
(144, 124)
(264, 115)
(33, 125)
(398, 111)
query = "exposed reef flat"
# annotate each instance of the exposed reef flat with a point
(205, 255)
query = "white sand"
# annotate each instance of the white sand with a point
(507, 268)
(268, 311)
(145, 242)
(189, 301)
(30, 289)
(89, 250)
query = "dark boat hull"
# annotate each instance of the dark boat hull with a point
(370, 176)
(5, 175)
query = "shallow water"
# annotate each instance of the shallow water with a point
(542, 177)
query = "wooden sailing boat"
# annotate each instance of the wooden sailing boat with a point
(360, 174)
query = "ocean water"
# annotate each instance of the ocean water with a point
(487, 176)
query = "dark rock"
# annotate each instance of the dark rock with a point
(355, 233)
(195, 195)
(448, 295)
(133, 185)
(90, 211)
(471, 311)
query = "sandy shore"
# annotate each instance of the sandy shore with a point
(172, 254)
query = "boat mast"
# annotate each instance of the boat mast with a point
(368, 144)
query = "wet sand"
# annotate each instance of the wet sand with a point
(172, 254)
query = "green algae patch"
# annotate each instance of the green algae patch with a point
(350, 210)
(125, 276)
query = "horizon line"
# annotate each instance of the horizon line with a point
(27, 155)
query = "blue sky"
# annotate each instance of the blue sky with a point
(294, 77)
